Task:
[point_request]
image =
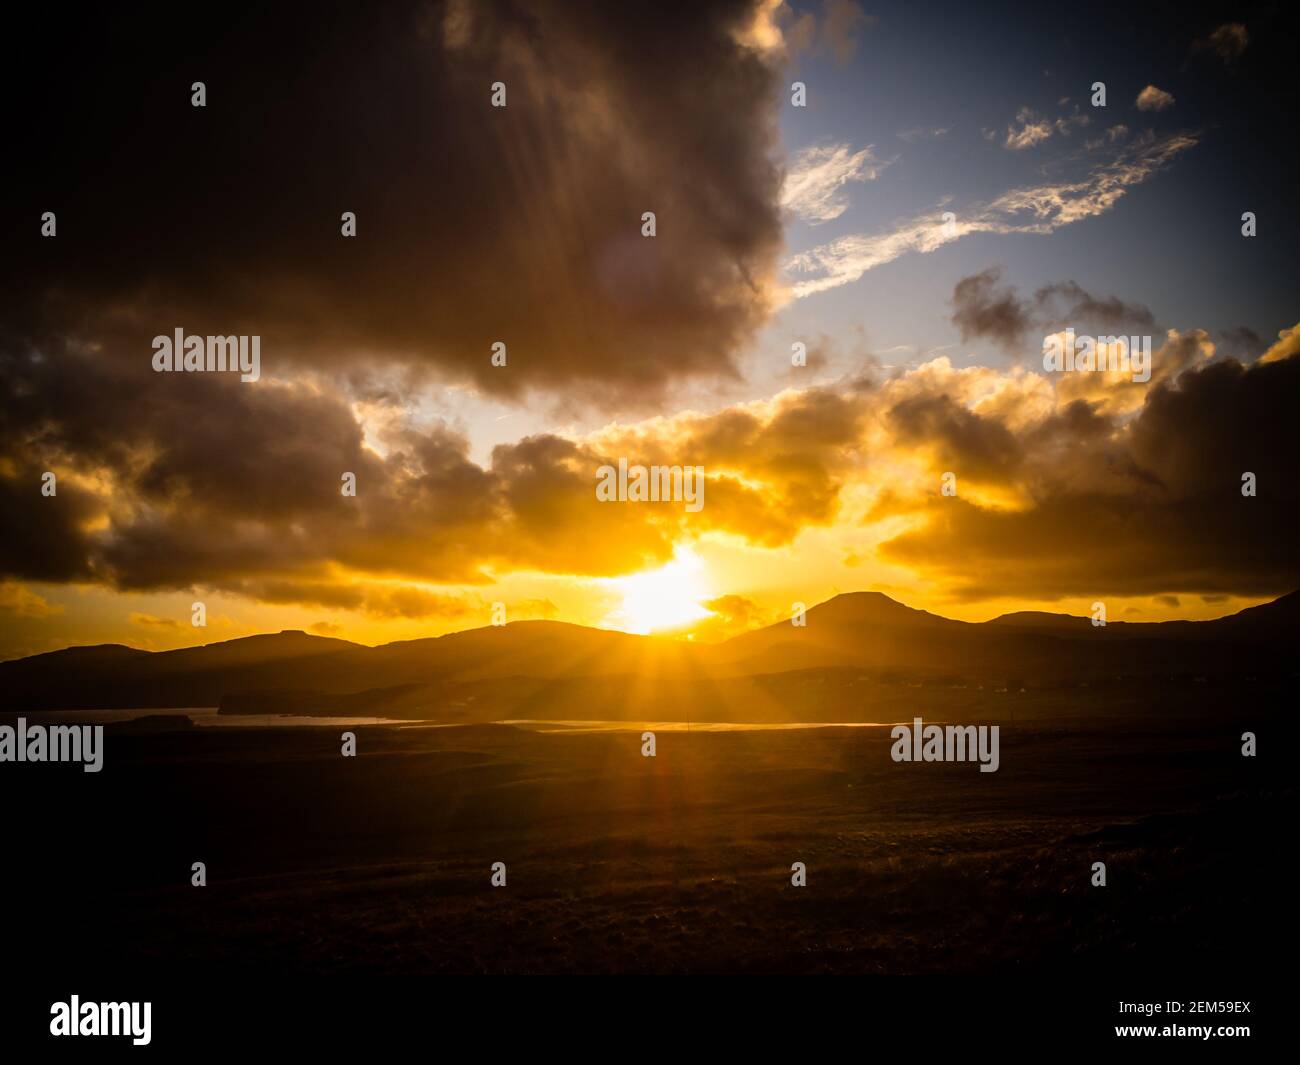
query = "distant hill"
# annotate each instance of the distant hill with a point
(872, 631)
(110, 676)
(855, 629)
(544, 663)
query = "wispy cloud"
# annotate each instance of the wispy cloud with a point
(1028, 129)
(152, 621)
(814, 184)
(1037, 209)
(21, 601)
(921, 133)
(1113, 135)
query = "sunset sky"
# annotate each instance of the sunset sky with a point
(776, 225)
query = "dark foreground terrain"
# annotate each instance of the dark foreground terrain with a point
(616, 862)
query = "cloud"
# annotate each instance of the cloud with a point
(392, 602)
(920, 133)
(1112, 135)
(814, 184)
(981, 309)
(1243, 342)
(542, 609)
(1112, 391)
(842, 19)
(1228, 42)
(1084, 502)
(474, 223)
(1036, 209)
(729, 615)
(1067, 303)
(151, 621)
(1069, 484)
(155, 495)
(1286, 347)
(1032, 129)
(984, 448)
(20, 601)
(1066, 123)
(1153, 99)
(835, 33)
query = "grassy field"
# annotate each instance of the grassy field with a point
(682, 862)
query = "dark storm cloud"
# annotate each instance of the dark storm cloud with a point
(984, 448)
(1150, 507)
(475, 224)
(1058, 496)
(198, 480)
(41, 536)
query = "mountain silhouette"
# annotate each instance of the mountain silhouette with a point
(544, 662)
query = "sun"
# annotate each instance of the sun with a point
(666, 598)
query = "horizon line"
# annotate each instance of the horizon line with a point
(661, 635)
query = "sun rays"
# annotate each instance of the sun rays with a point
(662, 599)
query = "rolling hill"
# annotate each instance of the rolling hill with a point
(539, 666)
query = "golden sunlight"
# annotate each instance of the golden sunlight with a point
(666, 598)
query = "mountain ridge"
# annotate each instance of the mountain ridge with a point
(855, 631)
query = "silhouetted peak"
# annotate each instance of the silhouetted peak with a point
(869, 608)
